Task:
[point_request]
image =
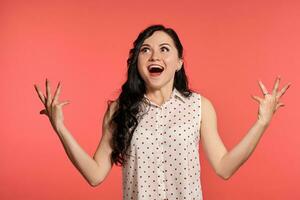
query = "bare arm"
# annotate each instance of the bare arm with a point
(93, 169)
(227, 163)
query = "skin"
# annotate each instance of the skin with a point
(159, 49)
(224, 162)
(94, 169)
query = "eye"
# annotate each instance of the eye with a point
(144, 49)
(165, 49)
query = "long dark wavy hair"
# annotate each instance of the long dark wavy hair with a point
(125, 118)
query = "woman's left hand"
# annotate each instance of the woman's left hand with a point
(270, 103)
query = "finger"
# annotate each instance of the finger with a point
(283, 90)
(279, 105)
(275, 88)
(43, 112)
(263, 88)
(48, 92)
(41, 95)
(64, 103)
(256, 98)
(57, 93)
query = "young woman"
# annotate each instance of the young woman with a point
(153, 128)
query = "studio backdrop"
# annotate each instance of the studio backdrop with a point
(228, 47)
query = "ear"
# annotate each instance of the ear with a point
(180, 64)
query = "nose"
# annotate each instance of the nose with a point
(154, 56)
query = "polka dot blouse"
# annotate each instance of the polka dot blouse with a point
(164, 151)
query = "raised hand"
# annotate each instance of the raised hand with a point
(53, 108)
(270, 103)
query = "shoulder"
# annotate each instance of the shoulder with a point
(112, 106)
(205, 103)
(208, 111)
(193, 95)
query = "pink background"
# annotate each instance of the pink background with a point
(229, 46)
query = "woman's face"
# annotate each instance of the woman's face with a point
(158, 51)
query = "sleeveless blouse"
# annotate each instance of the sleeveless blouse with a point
(164, 151)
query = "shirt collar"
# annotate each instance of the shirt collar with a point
(175, 93)
(179, 95)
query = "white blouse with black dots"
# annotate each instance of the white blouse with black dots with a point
(164, 161)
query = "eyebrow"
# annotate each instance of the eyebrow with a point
(159, 45)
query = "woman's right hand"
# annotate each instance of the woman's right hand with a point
(53, 108)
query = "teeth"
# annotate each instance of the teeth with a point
(155, 66)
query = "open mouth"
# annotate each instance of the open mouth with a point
(155, 70)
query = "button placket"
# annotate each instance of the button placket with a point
(160, 161)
